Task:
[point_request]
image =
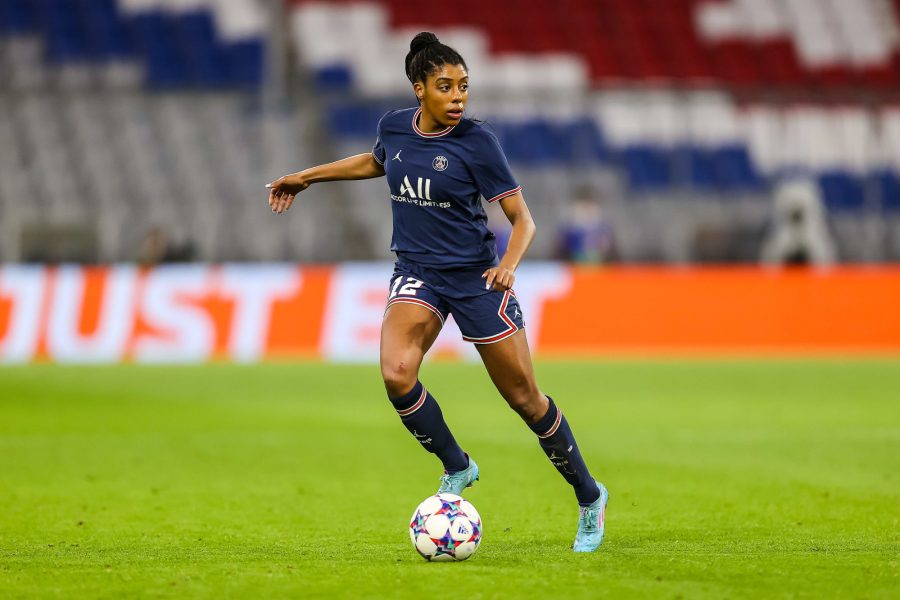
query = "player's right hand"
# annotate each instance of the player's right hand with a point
(283, 190)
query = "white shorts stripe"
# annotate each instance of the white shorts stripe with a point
(420, 303)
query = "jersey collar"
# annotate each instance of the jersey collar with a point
(428, 135)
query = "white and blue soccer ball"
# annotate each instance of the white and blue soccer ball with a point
(445, 527)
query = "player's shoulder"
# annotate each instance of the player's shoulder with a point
(476, 128)
(396, 119)
(476, 131)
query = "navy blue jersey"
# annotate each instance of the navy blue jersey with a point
(436, 182)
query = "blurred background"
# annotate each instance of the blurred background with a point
(644, 132)
(676, 131)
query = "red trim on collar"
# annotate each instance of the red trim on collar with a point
(428, 135)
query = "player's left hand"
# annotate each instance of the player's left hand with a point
(499, 278)
(283, 190)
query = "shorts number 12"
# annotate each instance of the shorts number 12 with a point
(408, 289)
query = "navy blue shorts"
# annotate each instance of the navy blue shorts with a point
(483, 316)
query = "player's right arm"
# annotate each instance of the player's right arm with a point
(283, 190)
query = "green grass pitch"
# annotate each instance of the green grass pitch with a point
(728, 479)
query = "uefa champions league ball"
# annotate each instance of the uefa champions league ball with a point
(445, 527)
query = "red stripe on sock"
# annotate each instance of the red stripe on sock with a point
(416, 406)
(553, 428)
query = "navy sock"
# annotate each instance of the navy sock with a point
(421, 414)
(558, 442)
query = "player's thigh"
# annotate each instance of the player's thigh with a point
(407, 332)
(508, 362)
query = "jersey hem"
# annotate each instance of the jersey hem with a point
(447, 266)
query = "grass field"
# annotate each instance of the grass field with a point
(728, 479)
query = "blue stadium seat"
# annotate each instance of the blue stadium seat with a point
(357, 121)
(698, 166)
(109, 36)
(246, 61)
(647, 168)
(156, 36)
(177, 49)
(536, 142)
(583, 141)
(539, 141)
(18, 17)
(735, 170)
(888, 183)
(508, 134)
(334, 78)
(65, 32)
(206, 62)
(842, 191)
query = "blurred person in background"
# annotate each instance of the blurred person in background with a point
(158, 247)
(799, 234)
(586, 236)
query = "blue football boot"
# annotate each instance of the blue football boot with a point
(591, 521)
(455, 483)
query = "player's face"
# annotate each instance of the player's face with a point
(444, 94)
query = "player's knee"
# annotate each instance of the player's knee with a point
(524, 398)
(399, 377)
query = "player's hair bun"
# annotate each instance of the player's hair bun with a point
(427, 54)
(422, 40)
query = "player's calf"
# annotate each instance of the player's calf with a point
(558, 442)
(422, 416)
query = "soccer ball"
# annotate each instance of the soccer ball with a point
(445, 527)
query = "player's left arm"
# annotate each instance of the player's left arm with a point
(502, 277)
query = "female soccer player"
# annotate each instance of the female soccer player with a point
(438, 166)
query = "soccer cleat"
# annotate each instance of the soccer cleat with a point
(591, 521)
(455, 483)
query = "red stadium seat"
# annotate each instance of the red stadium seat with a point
(641, 40)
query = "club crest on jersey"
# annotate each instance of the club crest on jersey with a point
(439, 163)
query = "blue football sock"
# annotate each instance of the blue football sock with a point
(421, 414)
(558, 442)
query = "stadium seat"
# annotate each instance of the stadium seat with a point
(647, 168)
(700, 166)
(355, 121)
(18, 17)
(735, 170)
(842, 191)
(888, 183)
(197, 45)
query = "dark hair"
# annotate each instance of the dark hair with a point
(427, 54)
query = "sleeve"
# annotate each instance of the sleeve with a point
(378, 150)
(490, 169)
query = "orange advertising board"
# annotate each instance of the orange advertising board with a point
(726, 309)
(246, 313)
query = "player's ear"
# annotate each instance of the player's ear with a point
(419, 89)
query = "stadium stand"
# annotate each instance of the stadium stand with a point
(684, 114)
(707, 98)
(126, 115)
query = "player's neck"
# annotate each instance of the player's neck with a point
(429, 124)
